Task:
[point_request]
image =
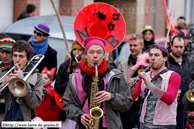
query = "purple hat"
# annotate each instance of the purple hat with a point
(162, 48)
(43, 28)
(184, 34)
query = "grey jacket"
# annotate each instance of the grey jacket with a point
(186, 103)
(121, 100)
(126, 69)
(28, 103)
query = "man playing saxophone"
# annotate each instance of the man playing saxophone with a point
(112, 93)
(21, 108)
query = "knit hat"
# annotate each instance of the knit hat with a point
(50, 73)
(43, 28)
(147, 27)
(143, 60)
(76, 45)
(94, 41)
(162, 48)
(7, 43)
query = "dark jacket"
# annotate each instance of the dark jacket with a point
(62, 78)
(186, 71)
(23, 15)
(50, 60)
(186, 103)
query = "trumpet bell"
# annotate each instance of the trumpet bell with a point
(190, 95)
(18, 87)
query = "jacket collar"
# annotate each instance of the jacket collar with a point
(171, 59)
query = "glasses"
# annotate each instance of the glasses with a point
(135, 36)
(37, 33)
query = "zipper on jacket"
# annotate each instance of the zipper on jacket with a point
(10, 106)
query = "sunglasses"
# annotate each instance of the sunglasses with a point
(37, 33)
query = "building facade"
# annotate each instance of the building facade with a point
(137, 13)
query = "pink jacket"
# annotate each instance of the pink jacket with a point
(164, 114)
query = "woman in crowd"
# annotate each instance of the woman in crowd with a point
(148, 36)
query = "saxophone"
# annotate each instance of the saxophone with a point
(95, 111)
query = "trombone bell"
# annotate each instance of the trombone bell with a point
(18, 87)
(190, 95)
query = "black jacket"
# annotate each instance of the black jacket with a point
(186, 71)
(50, 60)
(62, 78)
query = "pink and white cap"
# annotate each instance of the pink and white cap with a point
(94, 41)
(143, 60)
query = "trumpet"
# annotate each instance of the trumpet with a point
(190, 95)
(76, 56)
(18, 86)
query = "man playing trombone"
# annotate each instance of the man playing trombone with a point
(21, 108)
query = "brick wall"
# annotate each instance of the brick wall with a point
(128, 9)
(71, 7)
(160, 16)
(20, 6)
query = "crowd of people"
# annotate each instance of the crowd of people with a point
(87, 81)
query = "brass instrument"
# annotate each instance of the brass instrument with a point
(95, 111)
(190, 95)
(18, 86)
(76, 58)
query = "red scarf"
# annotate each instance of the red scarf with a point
(91, 70)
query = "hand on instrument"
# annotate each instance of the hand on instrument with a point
(85, 119)
(102, 96)
(18, 72)
(67, 56)
(134, 86)
(131, 80)
(7, 79)
(145, 78)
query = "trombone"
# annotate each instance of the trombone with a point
(18, 86)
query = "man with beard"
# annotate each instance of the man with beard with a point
(159, 89)
(183, 65)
